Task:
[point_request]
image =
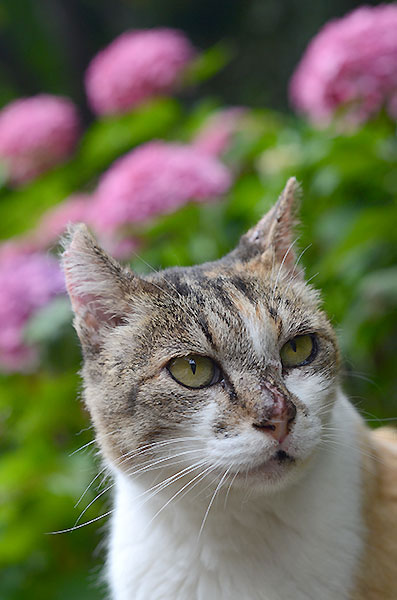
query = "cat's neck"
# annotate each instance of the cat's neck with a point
(285, 539)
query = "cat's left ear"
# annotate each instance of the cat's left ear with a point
(274, 236)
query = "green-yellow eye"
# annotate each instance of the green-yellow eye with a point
(299, 351)
(194, 371)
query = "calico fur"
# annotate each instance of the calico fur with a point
(208, 504)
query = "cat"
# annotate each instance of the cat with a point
(241, 470)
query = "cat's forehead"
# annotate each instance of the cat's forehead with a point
(218, 296)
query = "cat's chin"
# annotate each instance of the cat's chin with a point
(275, 473)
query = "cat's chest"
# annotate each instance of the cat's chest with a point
(237, 556)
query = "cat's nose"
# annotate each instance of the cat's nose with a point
(276, 429)
(278, 420)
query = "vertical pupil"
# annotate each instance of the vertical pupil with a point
(293, 345)
(193, 365)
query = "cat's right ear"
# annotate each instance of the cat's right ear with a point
(100, 289)
(273, 238)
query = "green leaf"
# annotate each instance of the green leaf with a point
(47, 322)
(110, 137)
(208, 64)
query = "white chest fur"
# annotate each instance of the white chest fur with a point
(301, 544)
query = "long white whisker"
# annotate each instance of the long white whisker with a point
(203, 475)
(161, 443)
(229, 487)
(141, 469)
(89, 485)
(212, 500)
(158, 487)
(82, 447)
(92, 441)
(142, 450)
(147, 466)
(328, 439)
(109, 512)
(312, 277)
(178, 492)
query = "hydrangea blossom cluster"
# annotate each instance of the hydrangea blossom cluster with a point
(217, 132)
(154, 179)
(75, 209)
(27, 282)
(351, 63)
(36, 134)
(135, 66)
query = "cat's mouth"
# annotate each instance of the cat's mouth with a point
(282, 456)
(274, 466)
(281, 459)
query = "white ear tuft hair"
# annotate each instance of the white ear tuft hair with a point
(275, 231)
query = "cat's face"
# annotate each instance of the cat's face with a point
(228, 367)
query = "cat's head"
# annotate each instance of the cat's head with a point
(229, 367)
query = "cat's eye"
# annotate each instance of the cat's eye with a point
(194, 371)
(299, 351)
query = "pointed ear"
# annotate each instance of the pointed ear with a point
(100, 289)
(274, 234)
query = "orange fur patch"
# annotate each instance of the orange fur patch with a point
(377, 577)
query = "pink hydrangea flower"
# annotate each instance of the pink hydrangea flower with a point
(154, 179)
(27, 282)
(135, 66)
(16, 247)
(36, 134)
(77, 208)
(217, 132)
(120, 246)
(352, 63)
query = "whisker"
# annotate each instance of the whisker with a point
(218, 487)
(361, 376)
(89, 485)
(146, 447)
(196, 483)
(211, 467)
(109, 512)
(229, 487)
(143, 468)
(328, 439)
(381, 419)
(312, 277)
(164, 484)
(92, 441)
(140, 470)
(109, 487)
(82, 447)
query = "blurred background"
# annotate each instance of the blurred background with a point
(205, 124)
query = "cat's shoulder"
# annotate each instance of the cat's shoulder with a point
(377, 572)
(384, 449)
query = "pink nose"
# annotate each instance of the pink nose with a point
(279, 418)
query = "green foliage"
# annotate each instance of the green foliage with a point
(349, 239)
